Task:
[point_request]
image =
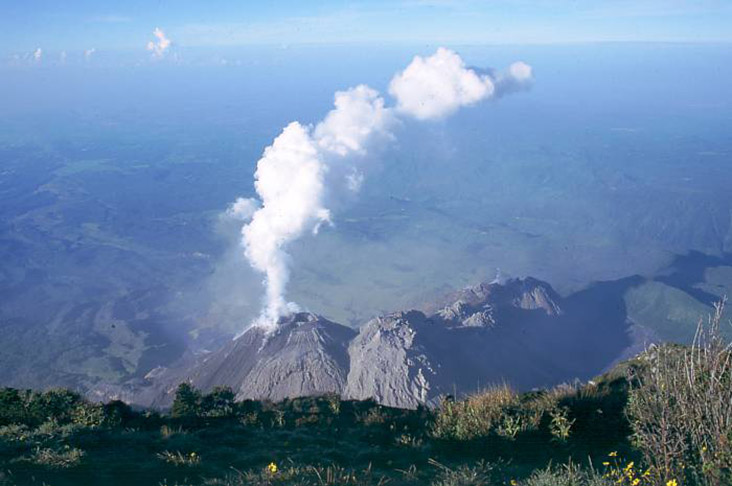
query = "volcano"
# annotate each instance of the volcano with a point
(520, 333)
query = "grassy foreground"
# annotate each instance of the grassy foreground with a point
(664, 418)
(494, 437)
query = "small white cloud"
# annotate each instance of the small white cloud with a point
(159, 47)
(89, 52)
(518, 77)
(520, 71)
(37, 54)
(242, 209)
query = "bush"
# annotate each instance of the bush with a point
(481, 474)
(477, 416)
(561, 425)
(15, 433)
(178, 458)
(218, 403)
(57, 404)
(32, 408)
(61, 458)
(117, 413)
(681, 408)
(88, 415)
(187, 402)
(13, 408)
(272, 475)
(567, 475)
(191, 403)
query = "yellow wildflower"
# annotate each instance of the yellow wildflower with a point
(272, 467)
(613, 454)
(672, 482)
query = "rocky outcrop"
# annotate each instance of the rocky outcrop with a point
(392, 361)
(481, 336)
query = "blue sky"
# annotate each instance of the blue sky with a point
(83, 24)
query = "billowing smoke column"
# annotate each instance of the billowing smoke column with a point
(304, 163)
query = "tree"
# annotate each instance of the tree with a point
(117, 413)
(219, 403)
(187, 401)
(12, 406)
(55, 404)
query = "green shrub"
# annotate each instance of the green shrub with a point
(191, 403)
(334, 403)
(567, 475)
(48, 428)
(480, 474)
(13, 406)
(250, 419)
(477, 416)
(88, 415)
(277, 419)
(178, 458)
(218, 403)
(273, 475)
(561, 425)
(57, 404)
(373, 416)
(166, 431)
(187, 402)
(15, 433)
(63, 457)
(117, 413)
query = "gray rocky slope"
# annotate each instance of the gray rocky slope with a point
(521, 333)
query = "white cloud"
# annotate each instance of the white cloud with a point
(89, 52)
(160, 47)
(37, 54)
(359, 113)
(438, 85)
(521, 71)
